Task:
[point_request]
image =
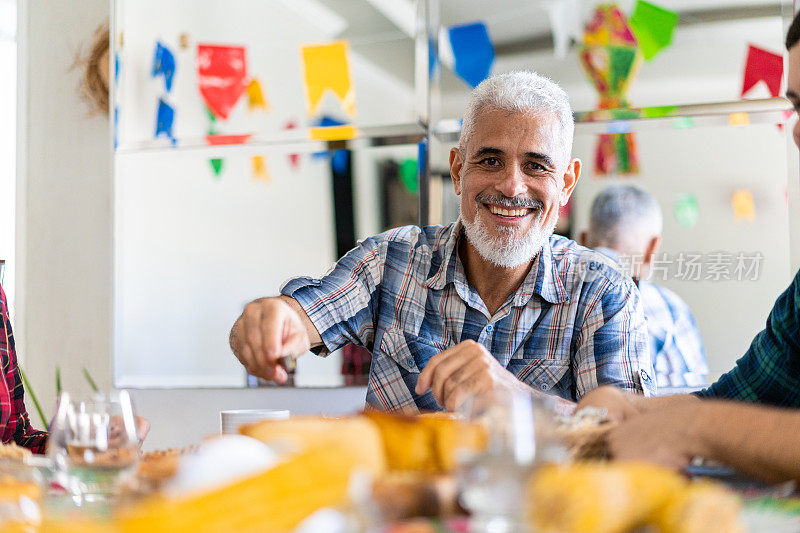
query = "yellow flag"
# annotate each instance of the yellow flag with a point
(327, 68)
(333, 133)
(259, 163)
(738, 119)
(255, 96)
(743, 205)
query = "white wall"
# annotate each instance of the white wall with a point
(8, 144)
(64, 243)
(192, 249)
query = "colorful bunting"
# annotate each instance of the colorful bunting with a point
(259, 164)
(687, 210)
(330, 129)
(653, 26)
(408, 175)
(611, 57)
(683, 123)
(743, 205)
(738, 119)
(326, 67)
(216, 165)
(340, 160)
(255, 96)
(473, 52)
(221, 77)
(565, 24)
(164, 65)
(218, 140)
(763, 65)
(165, 116)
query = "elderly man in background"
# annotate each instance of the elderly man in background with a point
(625, 223)
(760, 440)
(493, 301)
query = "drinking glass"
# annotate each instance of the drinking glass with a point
(494, 470)
(94, 445)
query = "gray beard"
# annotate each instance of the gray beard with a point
(504, 250)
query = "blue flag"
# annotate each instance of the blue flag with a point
(164, 64)
(164, 120)
(473, 52)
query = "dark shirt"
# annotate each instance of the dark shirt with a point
(769, 372)
(15, 426)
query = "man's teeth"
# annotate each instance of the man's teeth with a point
(508, 212)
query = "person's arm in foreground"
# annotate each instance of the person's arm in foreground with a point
(18, 428)
(758, 441)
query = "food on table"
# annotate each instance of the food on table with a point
(425, 443)
(12, 451)
(584, 433)
(401, 495)
(158, 466)
(597, 497)
(357, 435)
(700, 508)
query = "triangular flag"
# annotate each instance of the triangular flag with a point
(165, 116)
(408, 175)
(164, 64)
(743, 205)
(687, 210)
(255, 96)
(294, 159)
(260, 168)
(221, 77)
(763, 65)
(216, 140)
(216, 165)
(738, 119)
(653, 26)
(473, 52)
(326, 67)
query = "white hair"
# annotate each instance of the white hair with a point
(623, 216)
(520, 92)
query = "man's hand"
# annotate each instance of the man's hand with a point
(661, 436)
(461, 371)
(269, 329)
(620, 405)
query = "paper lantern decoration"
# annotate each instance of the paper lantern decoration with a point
(611, 57)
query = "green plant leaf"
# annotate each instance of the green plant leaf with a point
(32, 394)
(89, 379)
(58, 381)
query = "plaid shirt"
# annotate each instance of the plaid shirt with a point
(769, 372)
(14, 423)
(575, 322)
(675, 343)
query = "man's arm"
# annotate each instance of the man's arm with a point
(623, 405)
(268, 329)
(758, 441)
(613, 344)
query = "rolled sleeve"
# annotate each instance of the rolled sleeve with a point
(769, 372)
(342, 305)
(613, 347)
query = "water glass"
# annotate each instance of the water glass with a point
(94, 445)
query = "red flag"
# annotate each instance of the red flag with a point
(221, 76)
(294, 159)
(217, 140)
(762, 65)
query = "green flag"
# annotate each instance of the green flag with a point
(653, 27)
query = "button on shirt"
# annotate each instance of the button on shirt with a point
(574, 323)
(769, 372)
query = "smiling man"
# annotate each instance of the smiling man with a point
(491, 301)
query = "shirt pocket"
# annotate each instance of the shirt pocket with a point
(541, 374)
(409, 351)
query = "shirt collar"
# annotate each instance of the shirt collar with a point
(542, 279)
